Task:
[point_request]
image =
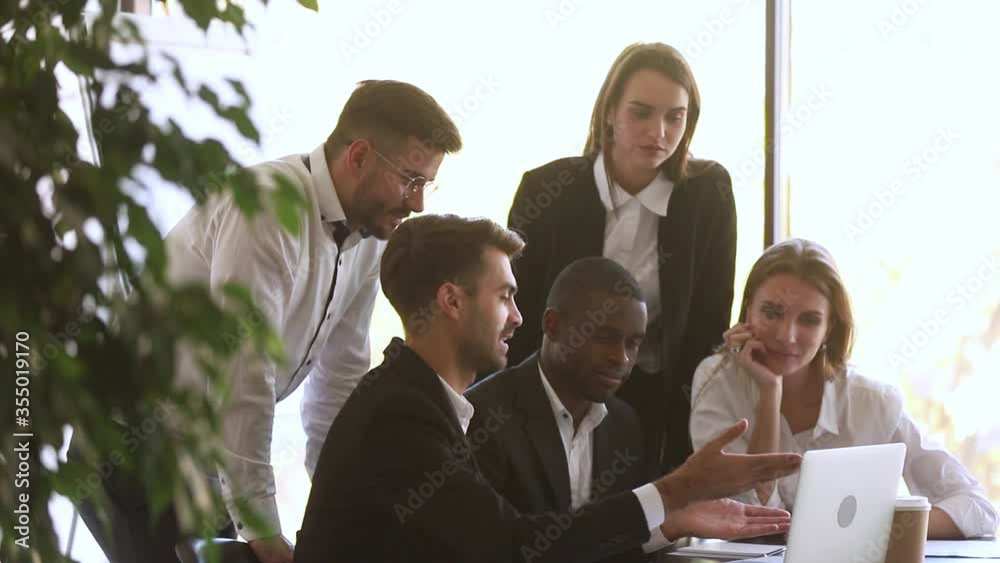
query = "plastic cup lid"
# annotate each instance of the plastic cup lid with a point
(912, 503)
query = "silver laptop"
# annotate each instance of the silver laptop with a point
(844, 505)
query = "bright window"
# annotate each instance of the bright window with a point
(895, 168)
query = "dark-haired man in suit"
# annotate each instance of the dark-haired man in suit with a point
(567, 438)
(397, 480)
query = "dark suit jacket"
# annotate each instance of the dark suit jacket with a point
(518, 446)
(396, 481)
(558, 211)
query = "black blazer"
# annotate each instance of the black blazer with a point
(558, 211)
(396, 481)
(518, 446)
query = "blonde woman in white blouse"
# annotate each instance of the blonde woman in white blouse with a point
(785, 369)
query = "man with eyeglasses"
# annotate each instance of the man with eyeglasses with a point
(316, 290)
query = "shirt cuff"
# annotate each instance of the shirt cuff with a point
(652, 505)
(968, 518)
(265, 511)
(657, 541)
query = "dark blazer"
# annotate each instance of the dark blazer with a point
(558, 211)
(518, 446)
(397, 481)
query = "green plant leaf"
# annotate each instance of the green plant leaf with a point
(241, 90)
(288, 204)
(145, 232)
(100, 355)
(201, 11)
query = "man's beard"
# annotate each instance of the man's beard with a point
(364, 210)
(478, 351)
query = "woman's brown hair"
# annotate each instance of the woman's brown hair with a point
(813, 264)
(639, 56)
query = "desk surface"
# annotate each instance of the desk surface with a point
(674, 558)
(681, 559)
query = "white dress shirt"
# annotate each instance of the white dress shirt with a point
(855, 411)
(463, 408)
(578, 444)
(289, 277)
(630, 239)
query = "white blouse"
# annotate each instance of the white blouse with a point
(631, 239)
(855, 411)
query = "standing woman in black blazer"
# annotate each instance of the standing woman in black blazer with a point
(668, 219)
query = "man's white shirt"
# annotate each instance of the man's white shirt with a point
(289, 277)
(578, 445)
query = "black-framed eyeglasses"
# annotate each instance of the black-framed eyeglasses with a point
(414, 184)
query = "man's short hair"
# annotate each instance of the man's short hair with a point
(587, 275)
(388, 112)
(429, 250)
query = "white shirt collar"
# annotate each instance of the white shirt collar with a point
(597, 411)
(330, 208)
(463, 408)
(655, 197)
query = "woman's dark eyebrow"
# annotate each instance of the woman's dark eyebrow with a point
(644, 105)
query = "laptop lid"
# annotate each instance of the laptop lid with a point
(844, 504)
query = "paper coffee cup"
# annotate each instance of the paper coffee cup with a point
(908, 534)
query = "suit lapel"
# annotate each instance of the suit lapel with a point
(414, 371)
(582, 225)
(540, 426)
(673, 241)
(603, 445)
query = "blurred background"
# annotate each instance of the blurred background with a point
(890, 151)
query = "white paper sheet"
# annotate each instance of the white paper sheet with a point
(982, 549)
